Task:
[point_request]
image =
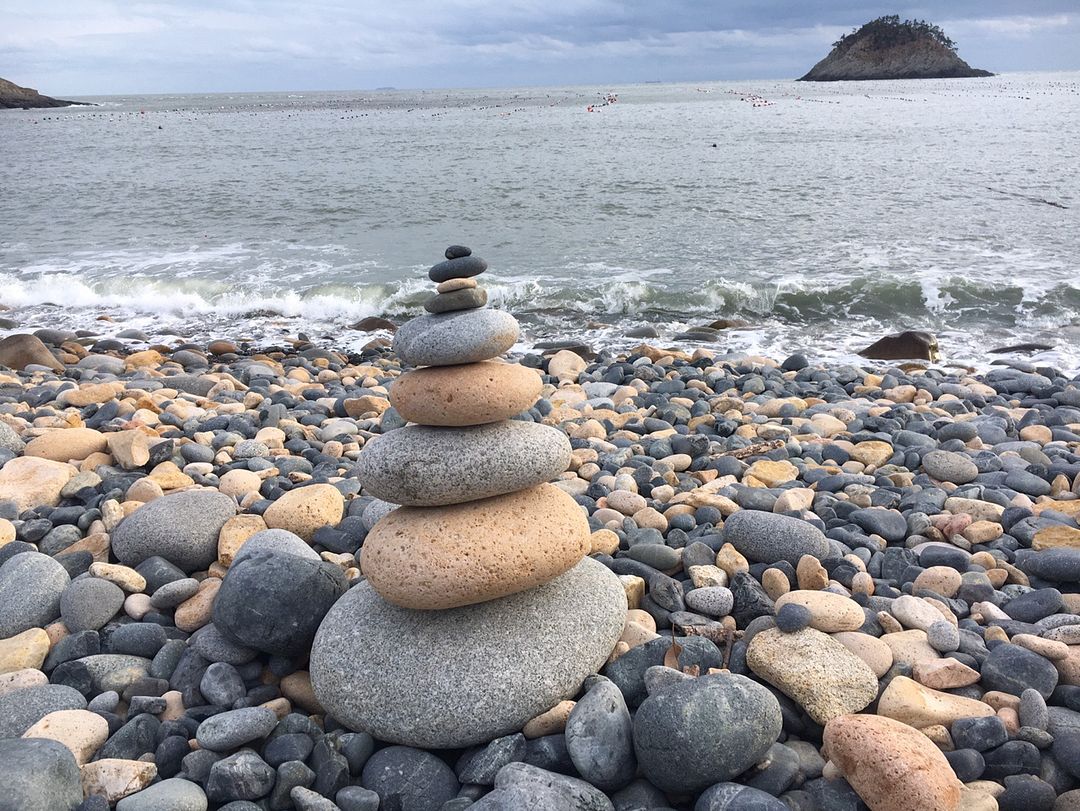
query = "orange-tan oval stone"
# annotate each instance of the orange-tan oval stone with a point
(469, 394)
(892, 766)
(443, 557)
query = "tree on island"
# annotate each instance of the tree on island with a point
(887, 31)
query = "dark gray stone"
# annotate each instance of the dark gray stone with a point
(21, 709)
(409, 779)
(228, 730)
(521, 787)
(90, 602)
(221, 685)
(468, 298)
(275, 602)
(479, 766)
(173, 794)
(1012, 669)
(243, 776)
(768, 537)
(599, 737)
(455, 678)
(460, 267)
(30, 588)
(427, 466)
(704, 731)
(182, 527)
(38, 774)
(735, 797)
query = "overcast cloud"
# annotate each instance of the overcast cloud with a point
(98, 47)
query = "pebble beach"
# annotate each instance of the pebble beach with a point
(431, 576)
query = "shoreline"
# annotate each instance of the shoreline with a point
(911, 535)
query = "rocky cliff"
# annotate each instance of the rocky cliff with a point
(14, 97)
(889, 49)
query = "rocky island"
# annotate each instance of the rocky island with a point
(887, 48)
(13, 97)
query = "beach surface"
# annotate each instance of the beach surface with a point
(804, 585)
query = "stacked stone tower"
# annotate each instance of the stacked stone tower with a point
(478, 608)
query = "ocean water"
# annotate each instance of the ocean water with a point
(822, 216)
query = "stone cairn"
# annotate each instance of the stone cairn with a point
(480, 609)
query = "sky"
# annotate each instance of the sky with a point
(107, 47)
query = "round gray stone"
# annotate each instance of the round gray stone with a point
(182, 528)
(90, 602)
(425, 466)
(948, 466)
(467, 299)
(524, 787)
(447, 339)
(30, 589)
(733, 797)
(21, 709)
(275, 602)
(704, 731)
(38, 774)
(599, 737)
(769, 537)
(276, 541)
(716, 601)
(228, 730)
(450, 679)
(173, 794)
(404, 777)
(458, 267)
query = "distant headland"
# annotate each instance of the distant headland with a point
(13, 97)
(888, 48)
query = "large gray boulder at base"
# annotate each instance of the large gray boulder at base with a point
(38, 774)
(768, 537)
(182, 528)
(450, 679)
(702, 731)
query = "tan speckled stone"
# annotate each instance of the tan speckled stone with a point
(870, 649)
(910, 647)
(443, 557)
(306, 509)
(828, 612)
(819, 673)
(24, 651)
(891, 766)
(907, 701)
(81, 731)
(195, 612)
(551, 722)
(114, 778)
(65, 444)
(470, 394)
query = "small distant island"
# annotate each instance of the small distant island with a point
(14, 97)
(888, 48)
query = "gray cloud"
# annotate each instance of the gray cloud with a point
(110, 46)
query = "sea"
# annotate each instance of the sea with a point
(814, 217)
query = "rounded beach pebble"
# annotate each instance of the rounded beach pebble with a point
(467, 675)
(443, 557)
(472, 394)
(420, 466)
(704, 730)
(446, 339)
(183, 528)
